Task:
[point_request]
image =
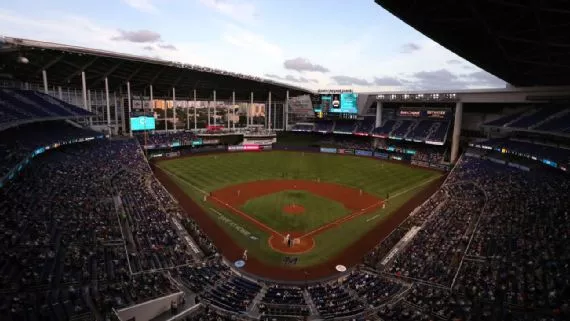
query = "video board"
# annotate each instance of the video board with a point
(336, 105)
(142, 123)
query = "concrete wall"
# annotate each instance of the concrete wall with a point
(148, 310)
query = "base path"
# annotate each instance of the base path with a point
(233, 197)
(351, 255)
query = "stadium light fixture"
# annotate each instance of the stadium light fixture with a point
(23, 60)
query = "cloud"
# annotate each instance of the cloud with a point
(292, 78)
(237, 10)
(138, 36)
(483, 78)
(148, 48)
(350, 81)
(453, 62)
(146, 6)
(444, 79)
(245, 39)
(302, 64)
(387, 81)
(436, 79)
(167, 46)
(410, 47)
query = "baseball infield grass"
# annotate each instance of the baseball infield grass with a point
(200, 175)
(318, 210)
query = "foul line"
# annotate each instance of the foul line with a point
(219, 201)
(244, 215)
(402, 192)
(183, 180)
(343, 219)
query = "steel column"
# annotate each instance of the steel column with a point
(107, 102)
(456, 131)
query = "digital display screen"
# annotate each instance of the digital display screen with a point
(436, 113)
(142, 123)
(343, 105)
(409, 113)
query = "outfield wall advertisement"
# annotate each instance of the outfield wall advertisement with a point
(345, 151)
(363, 152)
(328, 150)
(381, 155)
(243, 148)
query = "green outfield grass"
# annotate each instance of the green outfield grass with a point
(318, 210)
(203, 174)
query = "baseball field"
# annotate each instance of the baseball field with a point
(293, 210)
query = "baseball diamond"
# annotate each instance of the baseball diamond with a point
(338, 209)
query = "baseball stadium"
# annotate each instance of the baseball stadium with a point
(136, 188)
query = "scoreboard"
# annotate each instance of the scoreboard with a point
(336, 105)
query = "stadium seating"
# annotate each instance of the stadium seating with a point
(528, 149)
(235, 294)
(478, 240)
(334, 300)
(344, 126)
(86, 228)
(402, 128)
(303, 127)
(502, 121)
(528, 120)
(385, 129)
(166, 139)
(365, 126)
(18, 143)
(438, 132)
(283, 301)
(25, 105)
(561, 123)
(553, 119)
(324, 126)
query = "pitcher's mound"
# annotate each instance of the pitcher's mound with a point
(294, 209)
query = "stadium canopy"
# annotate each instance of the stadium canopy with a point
(525, 43)
(64, 64)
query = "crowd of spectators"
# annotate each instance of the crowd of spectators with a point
(492, 247)
(59, 231)
(235, 294)
(86, 228)
(19, 143)
(333, 300)
(346, 142)
(183, 138)
(283, 301)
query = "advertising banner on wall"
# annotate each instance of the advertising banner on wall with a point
(258, 141)
(243, 148)
(363, 152)
(381, 155)
(328, 150)
(345, 151)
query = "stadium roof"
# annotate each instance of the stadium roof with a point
(65, 63)
(525, 43)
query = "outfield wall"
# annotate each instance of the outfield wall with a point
(383, 155)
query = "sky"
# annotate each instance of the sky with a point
(315, 44)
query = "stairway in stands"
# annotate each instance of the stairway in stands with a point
(310, 303)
